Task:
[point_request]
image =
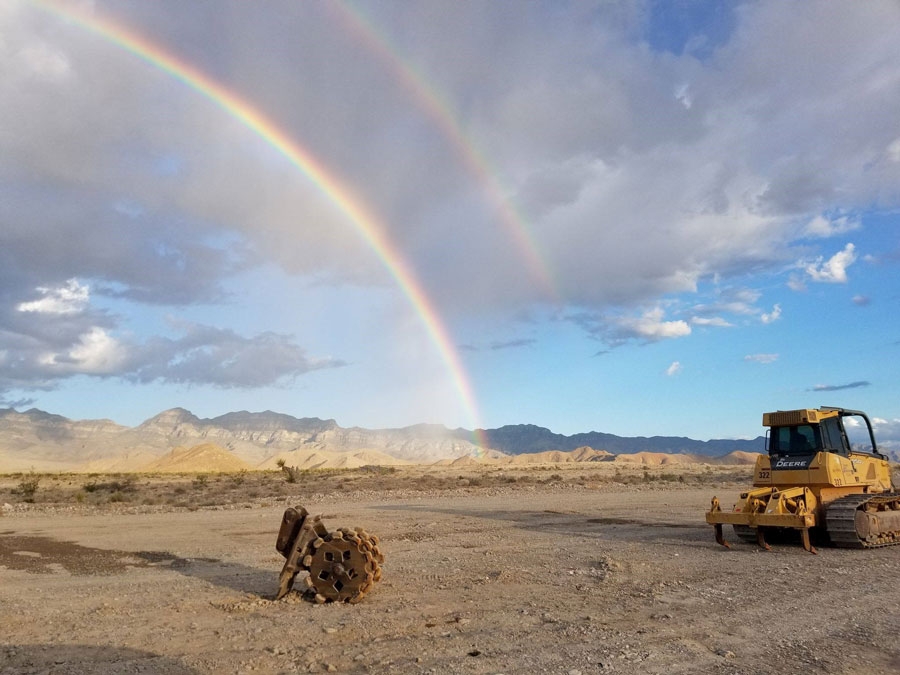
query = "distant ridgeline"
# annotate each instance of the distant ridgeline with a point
(36, 439)
(517, 439)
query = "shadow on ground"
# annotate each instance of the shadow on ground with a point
(633, 529)
(45, 555)
(62, 659)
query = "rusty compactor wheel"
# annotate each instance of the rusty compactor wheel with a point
(343, 565)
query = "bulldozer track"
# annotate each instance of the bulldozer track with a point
(841, 521)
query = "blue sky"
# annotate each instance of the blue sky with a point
(713, 189)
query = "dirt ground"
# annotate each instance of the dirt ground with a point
(561, 571)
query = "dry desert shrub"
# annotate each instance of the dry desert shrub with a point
(28, 487)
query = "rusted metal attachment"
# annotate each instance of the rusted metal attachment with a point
(343, 565)
(720, 536)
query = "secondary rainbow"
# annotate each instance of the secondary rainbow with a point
(434, 105)
(340, 195)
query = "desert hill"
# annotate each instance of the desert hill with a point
(325, 459)
(45, 442)
(583, 454)
(204, 458)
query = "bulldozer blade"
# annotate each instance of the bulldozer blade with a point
(720, 537)
(804, 535)
(761, 539)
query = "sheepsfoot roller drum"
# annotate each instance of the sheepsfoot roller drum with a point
(343, 565)
(820, 475)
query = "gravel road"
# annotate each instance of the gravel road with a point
(524, 579)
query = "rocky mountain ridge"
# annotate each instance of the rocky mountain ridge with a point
(42, 441)
(528, 438)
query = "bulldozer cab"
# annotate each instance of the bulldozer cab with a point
(803, 433)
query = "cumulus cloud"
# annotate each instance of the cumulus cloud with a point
(658, 185)
(60, 335)
(95, 353)
(761, 358)
(833, 270)
(650, 326)
(674, 368)
(624, 185)
(222, 358)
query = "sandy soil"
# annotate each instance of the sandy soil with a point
(528, 577)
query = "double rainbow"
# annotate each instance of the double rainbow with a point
(435, 106)
(340, 195)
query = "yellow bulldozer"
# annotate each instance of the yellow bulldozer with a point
(823, 475)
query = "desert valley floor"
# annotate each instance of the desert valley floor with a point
(540, 569)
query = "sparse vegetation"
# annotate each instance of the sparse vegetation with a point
(28, 487)
(119, 484)
(191, 491)
(292, 473)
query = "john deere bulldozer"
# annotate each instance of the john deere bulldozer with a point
(824, 475)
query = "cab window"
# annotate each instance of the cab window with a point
(803, 439)
(858, 434)
(832, 438)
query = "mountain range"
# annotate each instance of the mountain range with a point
(46, 442)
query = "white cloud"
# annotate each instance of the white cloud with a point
(95, 353)
(635, 181)
(761, 358)
(840, 387)
(98, 353)
(833, 270)
(774, 315)
(674, 369)
(652, 326)
(738, 301)
(69, 299)
(887, 434)
(716, 321)
(820, 226)
(795, 283)
(658, 169)
(893, 150)
(683, 96)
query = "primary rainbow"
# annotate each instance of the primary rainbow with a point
(432, 102)
(365, 223)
